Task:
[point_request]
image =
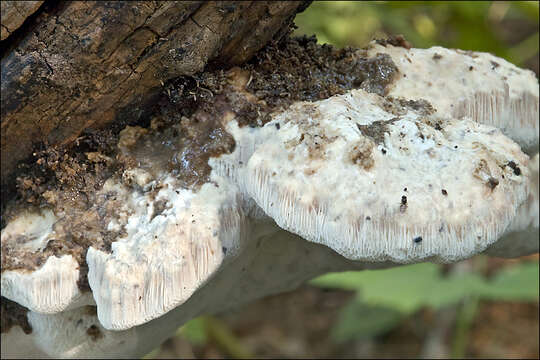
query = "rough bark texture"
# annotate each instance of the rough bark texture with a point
(75, 65)
(14, 13)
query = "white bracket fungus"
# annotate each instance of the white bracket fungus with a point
(468, 84)
(432, 171)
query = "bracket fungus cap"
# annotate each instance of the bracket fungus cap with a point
(372, 186)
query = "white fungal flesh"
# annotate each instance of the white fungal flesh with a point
(34, 227)
(164, 258)
(334, 172)
(276, 261)
(49, 289)
(522, 236)
(478, 85)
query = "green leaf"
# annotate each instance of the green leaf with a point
(409, 288)
(514, 283)
(357, 320)
(195, 331)
(405, 289)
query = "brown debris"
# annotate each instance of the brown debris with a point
(362, 154)
(513, 166)
(492, 183)
(376, 130)
(395, 40)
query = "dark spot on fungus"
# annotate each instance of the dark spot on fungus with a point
(444, 192)
(455, 146)
(471, 68)
(492, 183)
(94, 332)
(224, 249)
(403, 206)
(494, 65)
(437, 56)
(383, 151)
(513, 166)
(405, 189)
(368, 218)
(278, 126)
(417, 239)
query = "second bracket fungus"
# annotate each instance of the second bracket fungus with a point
(468, 84)
(324, 176)
(264, 180)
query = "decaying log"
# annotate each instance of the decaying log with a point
(14, 13)
(82, 64)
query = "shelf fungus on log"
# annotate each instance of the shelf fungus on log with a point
(264, 184)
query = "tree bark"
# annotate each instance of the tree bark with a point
(72, 65)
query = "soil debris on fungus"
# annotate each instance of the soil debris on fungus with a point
(395, 40)
(310, 72)
(361, 154)
(399, 106)
(492, 183)
(513, 166)
(179, 132)
(376, 130)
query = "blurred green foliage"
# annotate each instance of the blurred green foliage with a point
(468, 25)
(384, 297)
(195, 331)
